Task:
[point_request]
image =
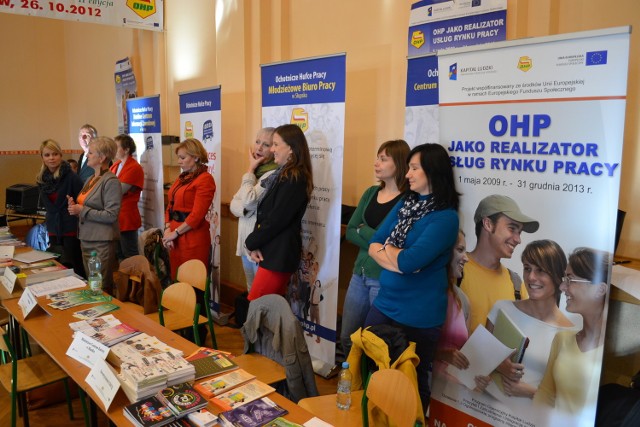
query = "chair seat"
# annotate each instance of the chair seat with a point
(175, 321)
(34, 372)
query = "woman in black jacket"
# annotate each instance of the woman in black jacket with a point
(275, 243)
(55, 181)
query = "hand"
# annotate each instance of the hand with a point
(168, 238)
(456, 358)
(254, 162)
(518, 388)
(513, 371)
(73, 208)
(482, 382)
(256, 256)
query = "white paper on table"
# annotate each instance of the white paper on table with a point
(8, 279)
(484, 352)
(6, 252)
(102, 379)
(317, 422)
(34, 256)
(56, 285)
(86, 350)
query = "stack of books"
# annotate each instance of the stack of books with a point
(147, 365)
(105, 329)
(166, 406)
(254, 414)
(209, 362)
(241, 395)
(223, 383)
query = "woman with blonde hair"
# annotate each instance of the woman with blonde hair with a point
(55, 181)
(186, 232)
(97, 208)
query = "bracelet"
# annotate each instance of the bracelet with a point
(177, 232)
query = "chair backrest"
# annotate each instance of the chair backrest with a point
(179, 297)
(193, 272)
(393, 392)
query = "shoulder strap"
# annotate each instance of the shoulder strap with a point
(517, 283)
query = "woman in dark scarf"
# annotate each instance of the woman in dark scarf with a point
(413, 246)
(55, 181)
(186, 232)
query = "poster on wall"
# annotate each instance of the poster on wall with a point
(310, 93)
(201, 118)
(439, 24)
(144, 128)
(141, 14)
(126, 87)
(421, 122)
(538, 164)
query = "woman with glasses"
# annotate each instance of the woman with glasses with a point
(570, 383)
(538, 317)
(245, 202)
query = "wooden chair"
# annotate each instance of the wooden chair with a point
(178, 309)
(194, 272)
(22, 375)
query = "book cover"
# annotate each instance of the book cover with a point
(148, 412)
(254, 414)
(202, 418)
(241, 395)
(212, 364)
(113, 335)
(95, 311)
(510, 335)
(182, 399)
(222, 383)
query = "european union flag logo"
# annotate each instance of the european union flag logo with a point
(598, 57)
(453, 71)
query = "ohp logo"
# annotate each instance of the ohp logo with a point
(417, 39)
(142, 8)
(300, 118)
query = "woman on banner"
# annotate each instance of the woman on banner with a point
(186, 231)
(413, 246)
(390, 169)
(538, 317)
(571, 379)
(131, 177)
(245, 202)
(97, 207)
(55, 181)
(276, 243)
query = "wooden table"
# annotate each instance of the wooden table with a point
(325, 408)
(53, 334)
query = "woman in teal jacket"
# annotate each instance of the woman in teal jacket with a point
(376, 202)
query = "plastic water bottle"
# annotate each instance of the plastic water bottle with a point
(344, 387)
(95, 275)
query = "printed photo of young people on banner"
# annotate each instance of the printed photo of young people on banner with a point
(534, 128)
(421, 117)
(142, 14)
(310, 93)
(201, 118)
(435, 25)
(126, 87)
(144, 128)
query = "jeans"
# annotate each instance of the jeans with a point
(361, 292)
(426, 340)
(250, 267)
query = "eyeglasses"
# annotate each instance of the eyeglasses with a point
(568, 280)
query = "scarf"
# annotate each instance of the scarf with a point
(268, 183)
(49, 184)
(188, 176)
(413, 209)
(264, 168)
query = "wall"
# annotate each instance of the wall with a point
(57, 75)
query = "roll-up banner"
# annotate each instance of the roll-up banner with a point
(310, 93)
(541, 121)
(126, 87)
(144, 128)
(141, 14)
(421, 122)
(201, 118)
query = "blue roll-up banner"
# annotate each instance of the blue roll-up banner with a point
(144, 127)
(421, 122)
(201, 118)
(310, 93)
(541, 121)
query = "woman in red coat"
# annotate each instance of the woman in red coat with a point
(186, 232)
(131, 177)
